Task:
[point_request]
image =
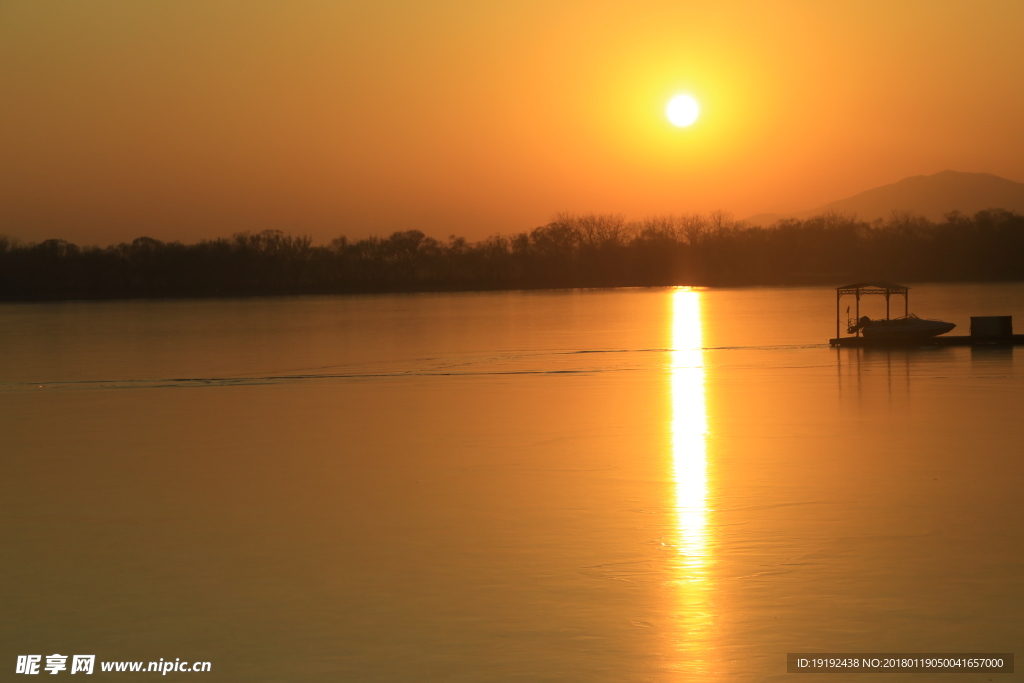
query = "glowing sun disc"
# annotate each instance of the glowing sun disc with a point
(682, 110)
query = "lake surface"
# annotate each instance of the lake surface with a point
(605, 485)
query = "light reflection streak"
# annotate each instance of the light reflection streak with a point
(689, 434)
(695, 611)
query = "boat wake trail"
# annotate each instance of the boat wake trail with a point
(540, 363)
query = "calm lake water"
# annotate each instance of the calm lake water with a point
(607, 485)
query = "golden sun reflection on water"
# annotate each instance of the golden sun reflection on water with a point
(688, 431)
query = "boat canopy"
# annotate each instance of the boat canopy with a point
(859, 289)
(862, 288)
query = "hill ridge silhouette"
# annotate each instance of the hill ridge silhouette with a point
(931, 196)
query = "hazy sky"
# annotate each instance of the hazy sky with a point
(187, 119)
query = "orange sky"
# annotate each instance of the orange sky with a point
(189, 119)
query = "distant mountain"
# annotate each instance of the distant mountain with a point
(931, 196)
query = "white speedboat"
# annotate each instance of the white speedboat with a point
(908, 327)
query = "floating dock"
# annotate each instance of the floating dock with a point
(991, 330)
(951, 340)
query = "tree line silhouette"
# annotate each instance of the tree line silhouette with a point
(571, 251)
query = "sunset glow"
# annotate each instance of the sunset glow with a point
(452, 340)
(179, 123)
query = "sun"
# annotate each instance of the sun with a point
(682, 110)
